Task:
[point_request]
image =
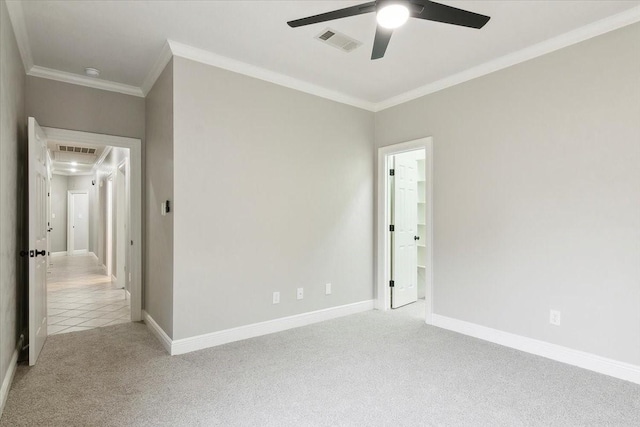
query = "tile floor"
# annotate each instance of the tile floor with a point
(80, 296)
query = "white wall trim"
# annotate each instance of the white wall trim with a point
(383, 294)
(16, 16)
(567, 39)
(157, 69)
(157, 331)
(592, 362)
(8, 379)
(213, 59)
(77, 79)
(58, 254)
(213, 339)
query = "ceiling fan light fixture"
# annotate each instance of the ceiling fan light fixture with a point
(392, 16)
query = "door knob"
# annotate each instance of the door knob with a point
(416, 237)
(42, 252)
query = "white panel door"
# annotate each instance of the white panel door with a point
(404, 252)
(38, 219)
(78, 222)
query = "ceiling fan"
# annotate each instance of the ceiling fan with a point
(392, 14)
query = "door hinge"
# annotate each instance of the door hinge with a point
(392, 284)
(392, 172)
(392, 228)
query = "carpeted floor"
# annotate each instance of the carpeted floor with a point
(370, 369)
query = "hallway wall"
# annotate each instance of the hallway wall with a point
(12, 150)
(58, 235)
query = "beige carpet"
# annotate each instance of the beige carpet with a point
(370, 369)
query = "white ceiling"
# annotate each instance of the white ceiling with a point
(125, 38)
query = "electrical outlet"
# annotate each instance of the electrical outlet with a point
(300, 293)
(276, 297)
(555, 317)
(327, 289)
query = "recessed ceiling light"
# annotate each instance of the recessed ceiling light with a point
(73, 170)
(392, 16)
(92, 72)
(74, 163)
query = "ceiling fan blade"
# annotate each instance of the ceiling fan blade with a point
(336, 14)
(381, 42)
(450, 15)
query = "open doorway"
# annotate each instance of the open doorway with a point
(405, 231)
(85, 289)
(94, 231)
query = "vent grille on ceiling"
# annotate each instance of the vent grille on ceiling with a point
(71, 149)
(338, 40)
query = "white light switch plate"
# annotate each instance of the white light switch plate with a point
(300, 293)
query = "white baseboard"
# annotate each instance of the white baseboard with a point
(8, 379)
(157, 331)
(186, 345)
(80, 252)
(114, 279)
(57, 254)
(592, 362)
(127, 295)
(94, 255)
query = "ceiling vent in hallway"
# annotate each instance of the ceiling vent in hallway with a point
(338, 40)
(72, 149)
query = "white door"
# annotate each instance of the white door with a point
(121, 230)
(404, 214)
(78, 222)
(38, 185)
(109, 228)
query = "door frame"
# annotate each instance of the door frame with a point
(383, 241)
(71, 250)
(135, 200)
(122, 168)
(108, 226)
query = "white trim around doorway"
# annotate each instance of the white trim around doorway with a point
(383, 294)
(135, 207)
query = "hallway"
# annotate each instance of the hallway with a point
(81, 297)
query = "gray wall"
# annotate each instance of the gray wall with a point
(12, 137)
(273, 191)
(159, 184)
(58, 235)
(537, 195)
(68, 106)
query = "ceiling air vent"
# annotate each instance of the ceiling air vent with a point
(72, 149)
(338, 40)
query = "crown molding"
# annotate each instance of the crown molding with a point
(157, 69)
(16, 16)
(77, 79)
(172, 48)
(209, 58)
(597, 28)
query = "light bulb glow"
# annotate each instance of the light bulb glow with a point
(74, 163)
(392, 16)
(73, 170)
